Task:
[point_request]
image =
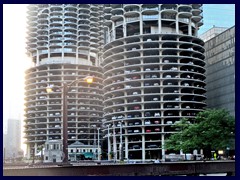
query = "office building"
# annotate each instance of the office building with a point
(220, 71)
(214, 31)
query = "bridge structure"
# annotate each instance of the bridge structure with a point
(189, 168)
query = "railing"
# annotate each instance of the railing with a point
(133, 168)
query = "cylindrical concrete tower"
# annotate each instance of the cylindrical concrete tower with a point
(153, 66)
(63, 41)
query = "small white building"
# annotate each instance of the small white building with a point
(79, 151)
(53, 151)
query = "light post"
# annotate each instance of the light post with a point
(66, 87)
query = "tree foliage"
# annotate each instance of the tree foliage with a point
(213, 130)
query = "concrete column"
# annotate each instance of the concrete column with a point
(141, 24)
(163, 148)
(38, 57)
(109, 144)
(76, 55)
(190, 27)
(63, 54)
(143, 146)
(28, 151)
(113, 32)
(49, 53)
(126, 147)
(114, 144)
(177, 25)
(159, 23)
(124, 28)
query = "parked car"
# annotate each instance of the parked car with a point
(152, 146)
(169, 122)
(147, 76)
(129, 116)
(173, 69)
(136, 131)
(136, 107)
(156, 122)
(120, 117)
(147, 122)
(130, 131)
(147, 114)
(136, 146)
(137, 123)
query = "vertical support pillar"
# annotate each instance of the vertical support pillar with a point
(177, 24)
(190, 27)
(163, 148)
(141, 24)
(143, 148)
(109, 145)
(114, 144)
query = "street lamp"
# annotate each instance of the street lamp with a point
(66, 87)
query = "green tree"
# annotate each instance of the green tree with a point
(214, 129)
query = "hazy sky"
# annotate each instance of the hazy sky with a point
(220, 15)
(15, 61)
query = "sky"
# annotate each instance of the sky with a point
(15, 60)
(220, 15)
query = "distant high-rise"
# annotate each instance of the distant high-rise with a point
(12, 140)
